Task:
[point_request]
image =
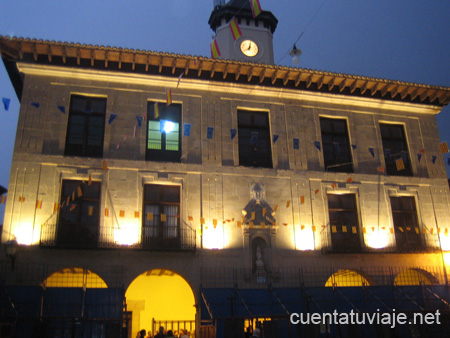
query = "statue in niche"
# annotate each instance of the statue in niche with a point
(259, 259)
(259, 263)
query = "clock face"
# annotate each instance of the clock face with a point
(249, 48)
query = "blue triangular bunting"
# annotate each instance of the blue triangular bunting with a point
(433, 159)
(111, 118)
(371, 151)
(139, 120)
(233, 133)
(296, 143)
(419, 156)
(254, 137)
(35, 104)
(354, 146)
(275, 138)
(317, 144)
(62, 109)
(6, 103)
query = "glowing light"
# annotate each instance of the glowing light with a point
(304, 239)
(377, 240)
(445, 242)
(414, 277)
(75, 278)
(26, 235)
(213, 238)
(127, 235)
(168, 126)
(162, 295)
(447, 258)
(346, 278)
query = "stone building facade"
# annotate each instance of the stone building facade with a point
(267, 175)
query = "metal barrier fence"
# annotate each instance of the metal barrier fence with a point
(320, 276)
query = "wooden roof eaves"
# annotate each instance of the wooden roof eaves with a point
(15, 48)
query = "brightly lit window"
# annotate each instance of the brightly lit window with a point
(163, 132)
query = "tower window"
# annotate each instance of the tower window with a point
(254, 139)
(163, 132)
(344, 224)
(336, 146)
(86, 127)
(395, 147)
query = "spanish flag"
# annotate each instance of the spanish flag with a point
(3, 199)
(235, 29)
(444, 147)
(156, 111)
(169, 98)
(90, 211)
(256, 7)
(39, 204)
(56, 207)
(215, 51)
(21, 199)
(106, 212)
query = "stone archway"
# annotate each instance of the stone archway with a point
(415, 277)
(160, 297)
(75, 277)
(347, 277)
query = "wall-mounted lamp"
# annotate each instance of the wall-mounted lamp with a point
(295, 53)
(11, 250)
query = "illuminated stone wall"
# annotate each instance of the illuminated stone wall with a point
(213, 185)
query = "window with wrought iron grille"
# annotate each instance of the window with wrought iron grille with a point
(336, 150)
(395, 147)
(79, 215)
(163, 132)
(406, 225)
(344, 223)
(161, 221)
(86, 126)
(254, 139)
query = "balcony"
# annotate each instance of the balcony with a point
(386, 242)
(63, 237)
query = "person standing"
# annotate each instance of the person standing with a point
(160, 334)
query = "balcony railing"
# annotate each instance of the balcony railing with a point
(167, 239)
(386, 242)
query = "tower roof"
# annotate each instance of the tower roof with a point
(240, 9)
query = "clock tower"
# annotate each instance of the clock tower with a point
(256, 42)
